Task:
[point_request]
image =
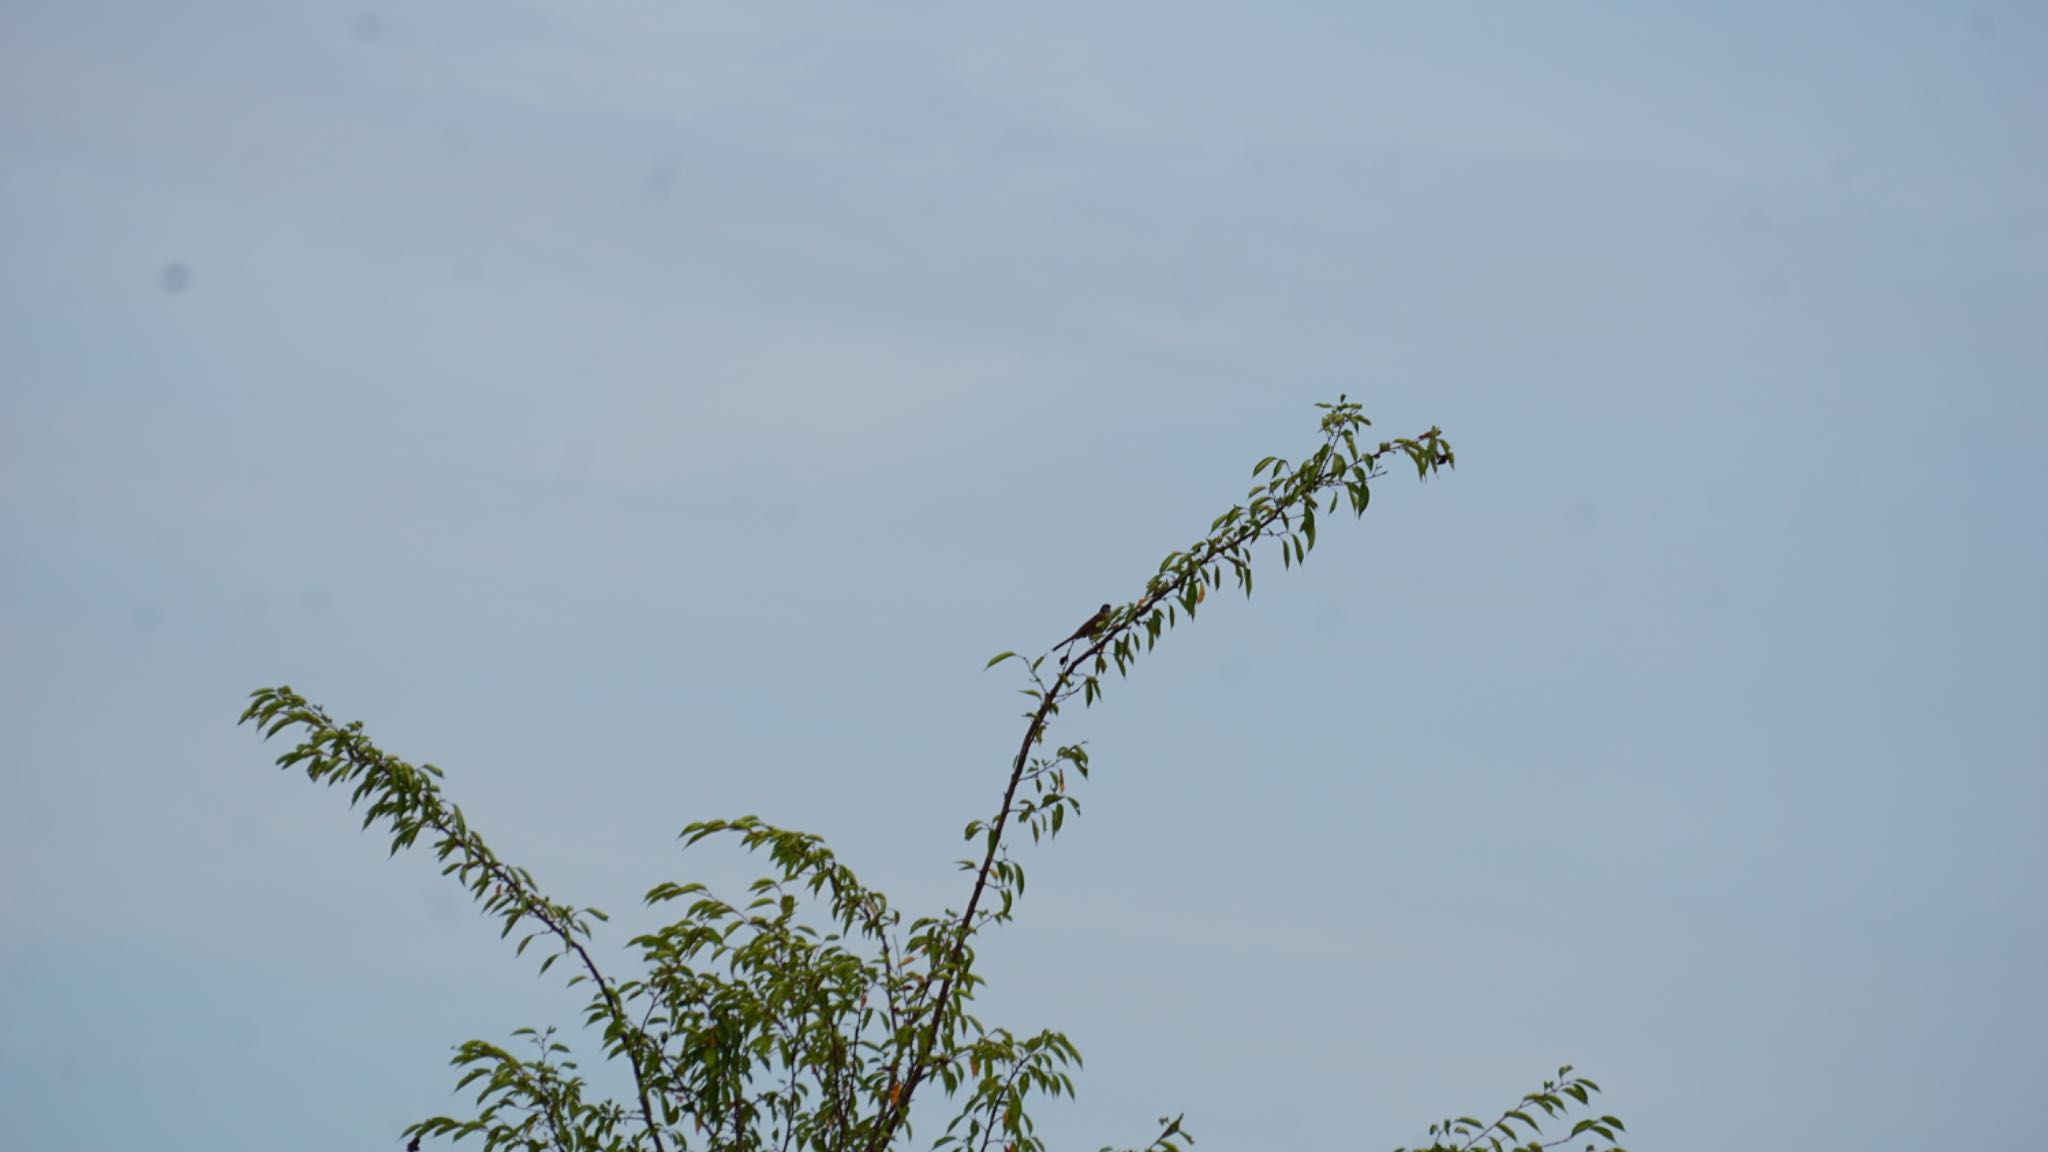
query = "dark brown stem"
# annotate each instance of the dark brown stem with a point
(436, 819)
(1062, 688)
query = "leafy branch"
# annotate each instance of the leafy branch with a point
(409, 798)
(1282, 508)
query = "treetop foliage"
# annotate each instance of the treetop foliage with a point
(810, 1013)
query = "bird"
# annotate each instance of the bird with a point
(1094, 624)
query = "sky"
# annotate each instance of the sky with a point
(653, 411)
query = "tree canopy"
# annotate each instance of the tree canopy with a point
(811, 1013)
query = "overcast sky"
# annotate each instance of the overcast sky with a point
(651, 411)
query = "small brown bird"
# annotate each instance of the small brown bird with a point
(1093, 625)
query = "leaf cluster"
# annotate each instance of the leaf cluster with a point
(1468, 1134)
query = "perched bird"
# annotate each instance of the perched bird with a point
(1093, 625)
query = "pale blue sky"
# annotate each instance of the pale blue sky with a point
(651, 411)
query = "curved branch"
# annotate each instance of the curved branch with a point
(409, 798)
(1339, 462)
